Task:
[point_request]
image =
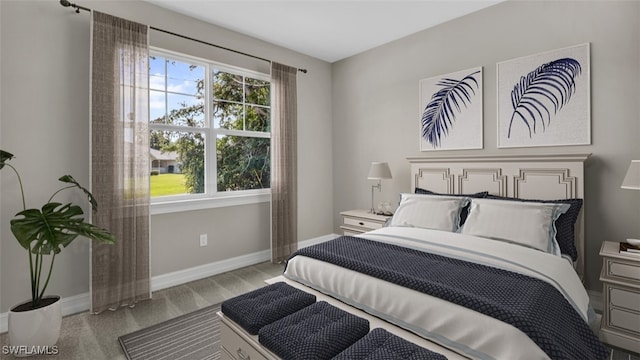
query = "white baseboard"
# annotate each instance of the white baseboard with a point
(78, 303)
(199, 272)
(318, 240)
(180, 277)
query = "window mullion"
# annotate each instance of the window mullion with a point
(244, 103)
(177, 128)
(166, 87)
(243, 133)
(211, 170)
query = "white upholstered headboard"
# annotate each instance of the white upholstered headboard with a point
(546, 177)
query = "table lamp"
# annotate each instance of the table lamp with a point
(378, 171)
(632, 181)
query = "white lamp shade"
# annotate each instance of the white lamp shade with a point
(632, 179)
(379, 170)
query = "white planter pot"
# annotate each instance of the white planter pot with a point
(33, 332)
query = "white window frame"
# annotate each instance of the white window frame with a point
(211, 198)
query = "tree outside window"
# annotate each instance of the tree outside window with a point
(196, 106)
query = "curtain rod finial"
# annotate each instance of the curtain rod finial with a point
(67, 3)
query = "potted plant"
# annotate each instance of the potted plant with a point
(35, 323)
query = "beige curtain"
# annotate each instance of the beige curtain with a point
(120, 161)
(284, 176)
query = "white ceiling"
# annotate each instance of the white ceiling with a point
(328, 30)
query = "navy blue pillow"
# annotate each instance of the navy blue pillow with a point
(565, 224)
(465, 210)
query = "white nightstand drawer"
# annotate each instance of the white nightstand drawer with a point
(359, 221)
(362, 223)
(624, 299)
(616, 269)
(624, 320)
(620, 278)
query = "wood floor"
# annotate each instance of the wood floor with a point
(95, 337)
(88, 337)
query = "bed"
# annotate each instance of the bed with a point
(468, 268)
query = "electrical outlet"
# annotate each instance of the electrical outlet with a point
(203, 239)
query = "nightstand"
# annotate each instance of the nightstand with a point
(620, 276)
(359, 221)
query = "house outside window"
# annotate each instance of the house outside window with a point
(210, 129)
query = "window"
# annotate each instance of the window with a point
(210, 129)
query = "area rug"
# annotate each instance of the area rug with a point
(195, 335)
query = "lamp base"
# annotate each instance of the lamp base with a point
(379, 187)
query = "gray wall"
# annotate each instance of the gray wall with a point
(376, 111)
(365, 108)
(44, 122)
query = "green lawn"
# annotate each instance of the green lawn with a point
(167, 184)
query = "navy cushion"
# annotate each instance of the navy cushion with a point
(319, 331)
(263, 306)
(380, 344)
(465, 210)
(565, 224)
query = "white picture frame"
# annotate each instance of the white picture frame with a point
(451, 111)
(544, 99)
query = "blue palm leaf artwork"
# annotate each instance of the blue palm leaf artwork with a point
(439, 114)
(539, 95)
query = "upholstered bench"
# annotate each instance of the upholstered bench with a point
(263, 306)
(319, 331)
(380, 344)
(325, 328)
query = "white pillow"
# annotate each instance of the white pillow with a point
(429, 211)
(524, 223)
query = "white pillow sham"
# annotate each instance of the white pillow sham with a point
(523, 223)
(429, 211)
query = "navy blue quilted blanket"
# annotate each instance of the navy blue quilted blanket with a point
(535, 307)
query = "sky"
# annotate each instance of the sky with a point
(177, 79)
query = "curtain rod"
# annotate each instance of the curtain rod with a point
(66, 3)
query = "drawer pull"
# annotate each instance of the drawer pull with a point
(241, 355)
(362, 223)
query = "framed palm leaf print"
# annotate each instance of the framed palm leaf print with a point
(544, 99)
(451, 111)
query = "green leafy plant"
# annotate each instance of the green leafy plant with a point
(48, 230)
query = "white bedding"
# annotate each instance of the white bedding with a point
(458, 328)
